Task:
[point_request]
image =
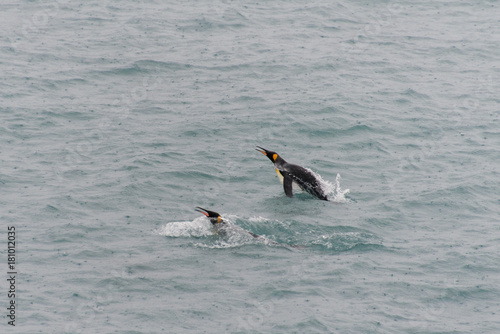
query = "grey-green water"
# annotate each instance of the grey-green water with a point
(117, 119)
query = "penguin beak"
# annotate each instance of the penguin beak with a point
(203, 211)
(262, 150)
(270, 154)
(213, 216)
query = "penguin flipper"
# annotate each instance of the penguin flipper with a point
(287, 183)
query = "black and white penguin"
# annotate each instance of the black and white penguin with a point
(293, 174)
(223, 228)
(219, 225)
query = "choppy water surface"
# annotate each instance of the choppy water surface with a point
(118, 119)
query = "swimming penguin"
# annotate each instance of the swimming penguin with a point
(220, 225)
(290, 173)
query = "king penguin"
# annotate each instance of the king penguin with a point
(219, 225)
(290, 174)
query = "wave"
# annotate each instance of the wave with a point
(274, 233)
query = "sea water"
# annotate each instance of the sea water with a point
(118, 118)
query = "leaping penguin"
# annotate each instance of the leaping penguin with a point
(290, 174)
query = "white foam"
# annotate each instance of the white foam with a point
(258, 219)
(234, 236)
(339, 193)
(199, 227)
(333, 191)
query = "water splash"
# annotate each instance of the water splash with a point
(333, 191)
(342, 241)
(199, 227)
(234, 235)
(272, 233)
(258, 219)
(338, 194)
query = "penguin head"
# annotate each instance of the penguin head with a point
(273, 156)
(214, 217)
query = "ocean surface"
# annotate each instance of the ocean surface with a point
(118, 118)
